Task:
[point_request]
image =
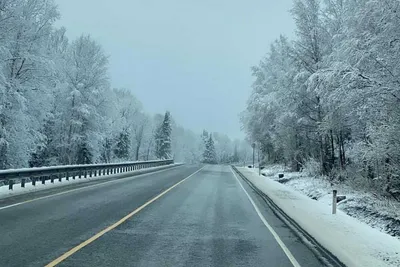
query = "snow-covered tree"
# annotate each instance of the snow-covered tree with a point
(332, 95)
(84, 95)
(223, 147)
(122, 144)
(235, 157)
(58, 107)
(26, 75)
(139, 129)
(209, 155)
(163, 138)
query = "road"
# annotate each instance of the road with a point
(205, 220)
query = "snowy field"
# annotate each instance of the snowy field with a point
(352, 241)
(18, 190)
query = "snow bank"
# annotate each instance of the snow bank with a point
(351, 241)
(376, 211)
(18, 190)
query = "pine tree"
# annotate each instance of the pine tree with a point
(106, 151)
(121, 150)
(163, 138)
(204, 136)
(209, 155)
(45, 153)
(84, 156)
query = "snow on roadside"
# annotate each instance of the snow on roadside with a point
(351, 241)
(378, 212)
(18, 190)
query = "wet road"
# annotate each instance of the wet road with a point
(205, 220)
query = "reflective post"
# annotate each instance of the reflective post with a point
(253, 146)
(334, 201)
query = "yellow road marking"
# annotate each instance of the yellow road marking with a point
(290, 256)
(80, 188)
(111, 227)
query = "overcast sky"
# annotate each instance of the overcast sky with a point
(190, 57)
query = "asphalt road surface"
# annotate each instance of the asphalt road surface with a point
(204, 220)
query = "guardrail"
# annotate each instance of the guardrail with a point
(72, 171)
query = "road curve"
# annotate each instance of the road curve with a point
(207, 220)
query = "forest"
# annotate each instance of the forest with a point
(329, 99)
(58, 105)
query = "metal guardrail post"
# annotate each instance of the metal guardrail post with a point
(23, 182)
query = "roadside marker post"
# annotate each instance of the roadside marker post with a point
(334, 201)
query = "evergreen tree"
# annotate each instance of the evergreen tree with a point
(209, 155)
(121, 150)
(84, 156)
(158, 141)
(204, 137)
(163, 138)
(45, 153)
(106, 151)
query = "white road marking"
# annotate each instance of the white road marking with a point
(275, 235)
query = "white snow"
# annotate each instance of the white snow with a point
(18, 190)
(377, 211)
(72, 166)
(351, 241)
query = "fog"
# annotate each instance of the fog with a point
(192, 58)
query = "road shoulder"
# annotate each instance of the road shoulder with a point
(342, 235)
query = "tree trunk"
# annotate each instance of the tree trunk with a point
(343, 152)
(137, 152)
(321, 139)
(68, 149)
(148, 150)
(340, 150)
(332, 149)
(322, 154)
(342, 155)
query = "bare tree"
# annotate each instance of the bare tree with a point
(138, 133)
